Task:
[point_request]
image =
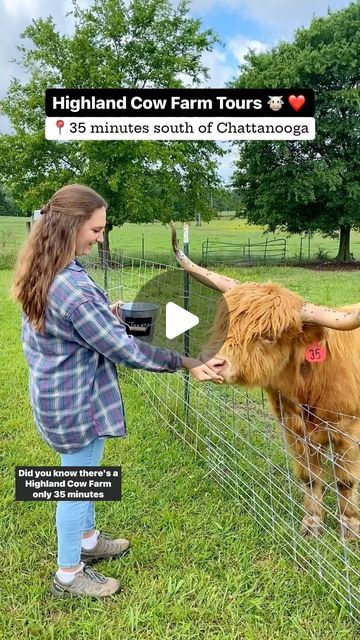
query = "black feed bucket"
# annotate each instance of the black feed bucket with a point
(139, 319)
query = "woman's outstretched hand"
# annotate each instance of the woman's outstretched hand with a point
(201, 371)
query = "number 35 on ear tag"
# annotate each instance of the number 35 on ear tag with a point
(315, 352)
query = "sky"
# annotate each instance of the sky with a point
(240, 24)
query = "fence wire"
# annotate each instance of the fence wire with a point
(244, 448)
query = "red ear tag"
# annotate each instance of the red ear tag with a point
(315, 352)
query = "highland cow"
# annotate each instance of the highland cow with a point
(307, 360)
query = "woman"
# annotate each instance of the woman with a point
(73, 342)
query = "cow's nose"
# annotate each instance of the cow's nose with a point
(217, 363)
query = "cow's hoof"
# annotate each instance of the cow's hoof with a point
(350, 527)
(312, 526)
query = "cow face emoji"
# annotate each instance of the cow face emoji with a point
(275, 103)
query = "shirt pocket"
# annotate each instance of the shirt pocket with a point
(99, 289)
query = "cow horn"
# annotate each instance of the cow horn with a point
(209, 278)
(331, 318)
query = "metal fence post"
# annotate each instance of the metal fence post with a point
(186, 333)
(104, 262)
(205, 249)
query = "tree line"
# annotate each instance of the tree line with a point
(296, 186)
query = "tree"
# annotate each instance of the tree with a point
(7, 205)
(309, 185)
(147, 43)
(227, 199)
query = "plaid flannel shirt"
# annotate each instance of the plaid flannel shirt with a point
(74, 389)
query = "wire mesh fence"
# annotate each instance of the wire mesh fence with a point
(296, 473)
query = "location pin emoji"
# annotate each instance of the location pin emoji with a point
(60, 124)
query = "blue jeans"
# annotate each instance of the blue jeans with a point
(75, 518)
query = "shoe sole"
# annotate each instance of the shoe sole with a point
(58, 592)
(94, 559)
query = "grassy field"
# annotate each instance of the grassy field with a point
(154, 239)
(200, 566)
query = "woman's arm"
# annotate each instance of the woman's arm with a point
(95, 327)
(195, 367)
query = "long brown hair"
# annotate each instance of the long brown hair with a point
(50, 247)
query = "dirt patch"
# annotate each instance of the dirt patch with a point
(333, 266)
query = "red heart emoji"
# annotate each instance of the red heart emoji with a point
(296, 102)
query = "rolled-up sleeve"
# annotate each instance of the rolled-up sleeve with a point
(96, 327)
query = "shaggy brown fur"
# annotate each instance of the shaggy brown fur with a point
(259, 332)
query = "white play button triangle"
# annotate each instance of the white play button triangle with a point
(178, 320)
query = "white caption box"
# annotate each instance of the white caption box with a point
(69, 128)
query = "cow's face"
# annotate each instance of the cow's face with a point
(259, 328)
(254, 331)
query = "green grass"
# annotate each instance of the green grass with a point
(200, 566)
(156, 238)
